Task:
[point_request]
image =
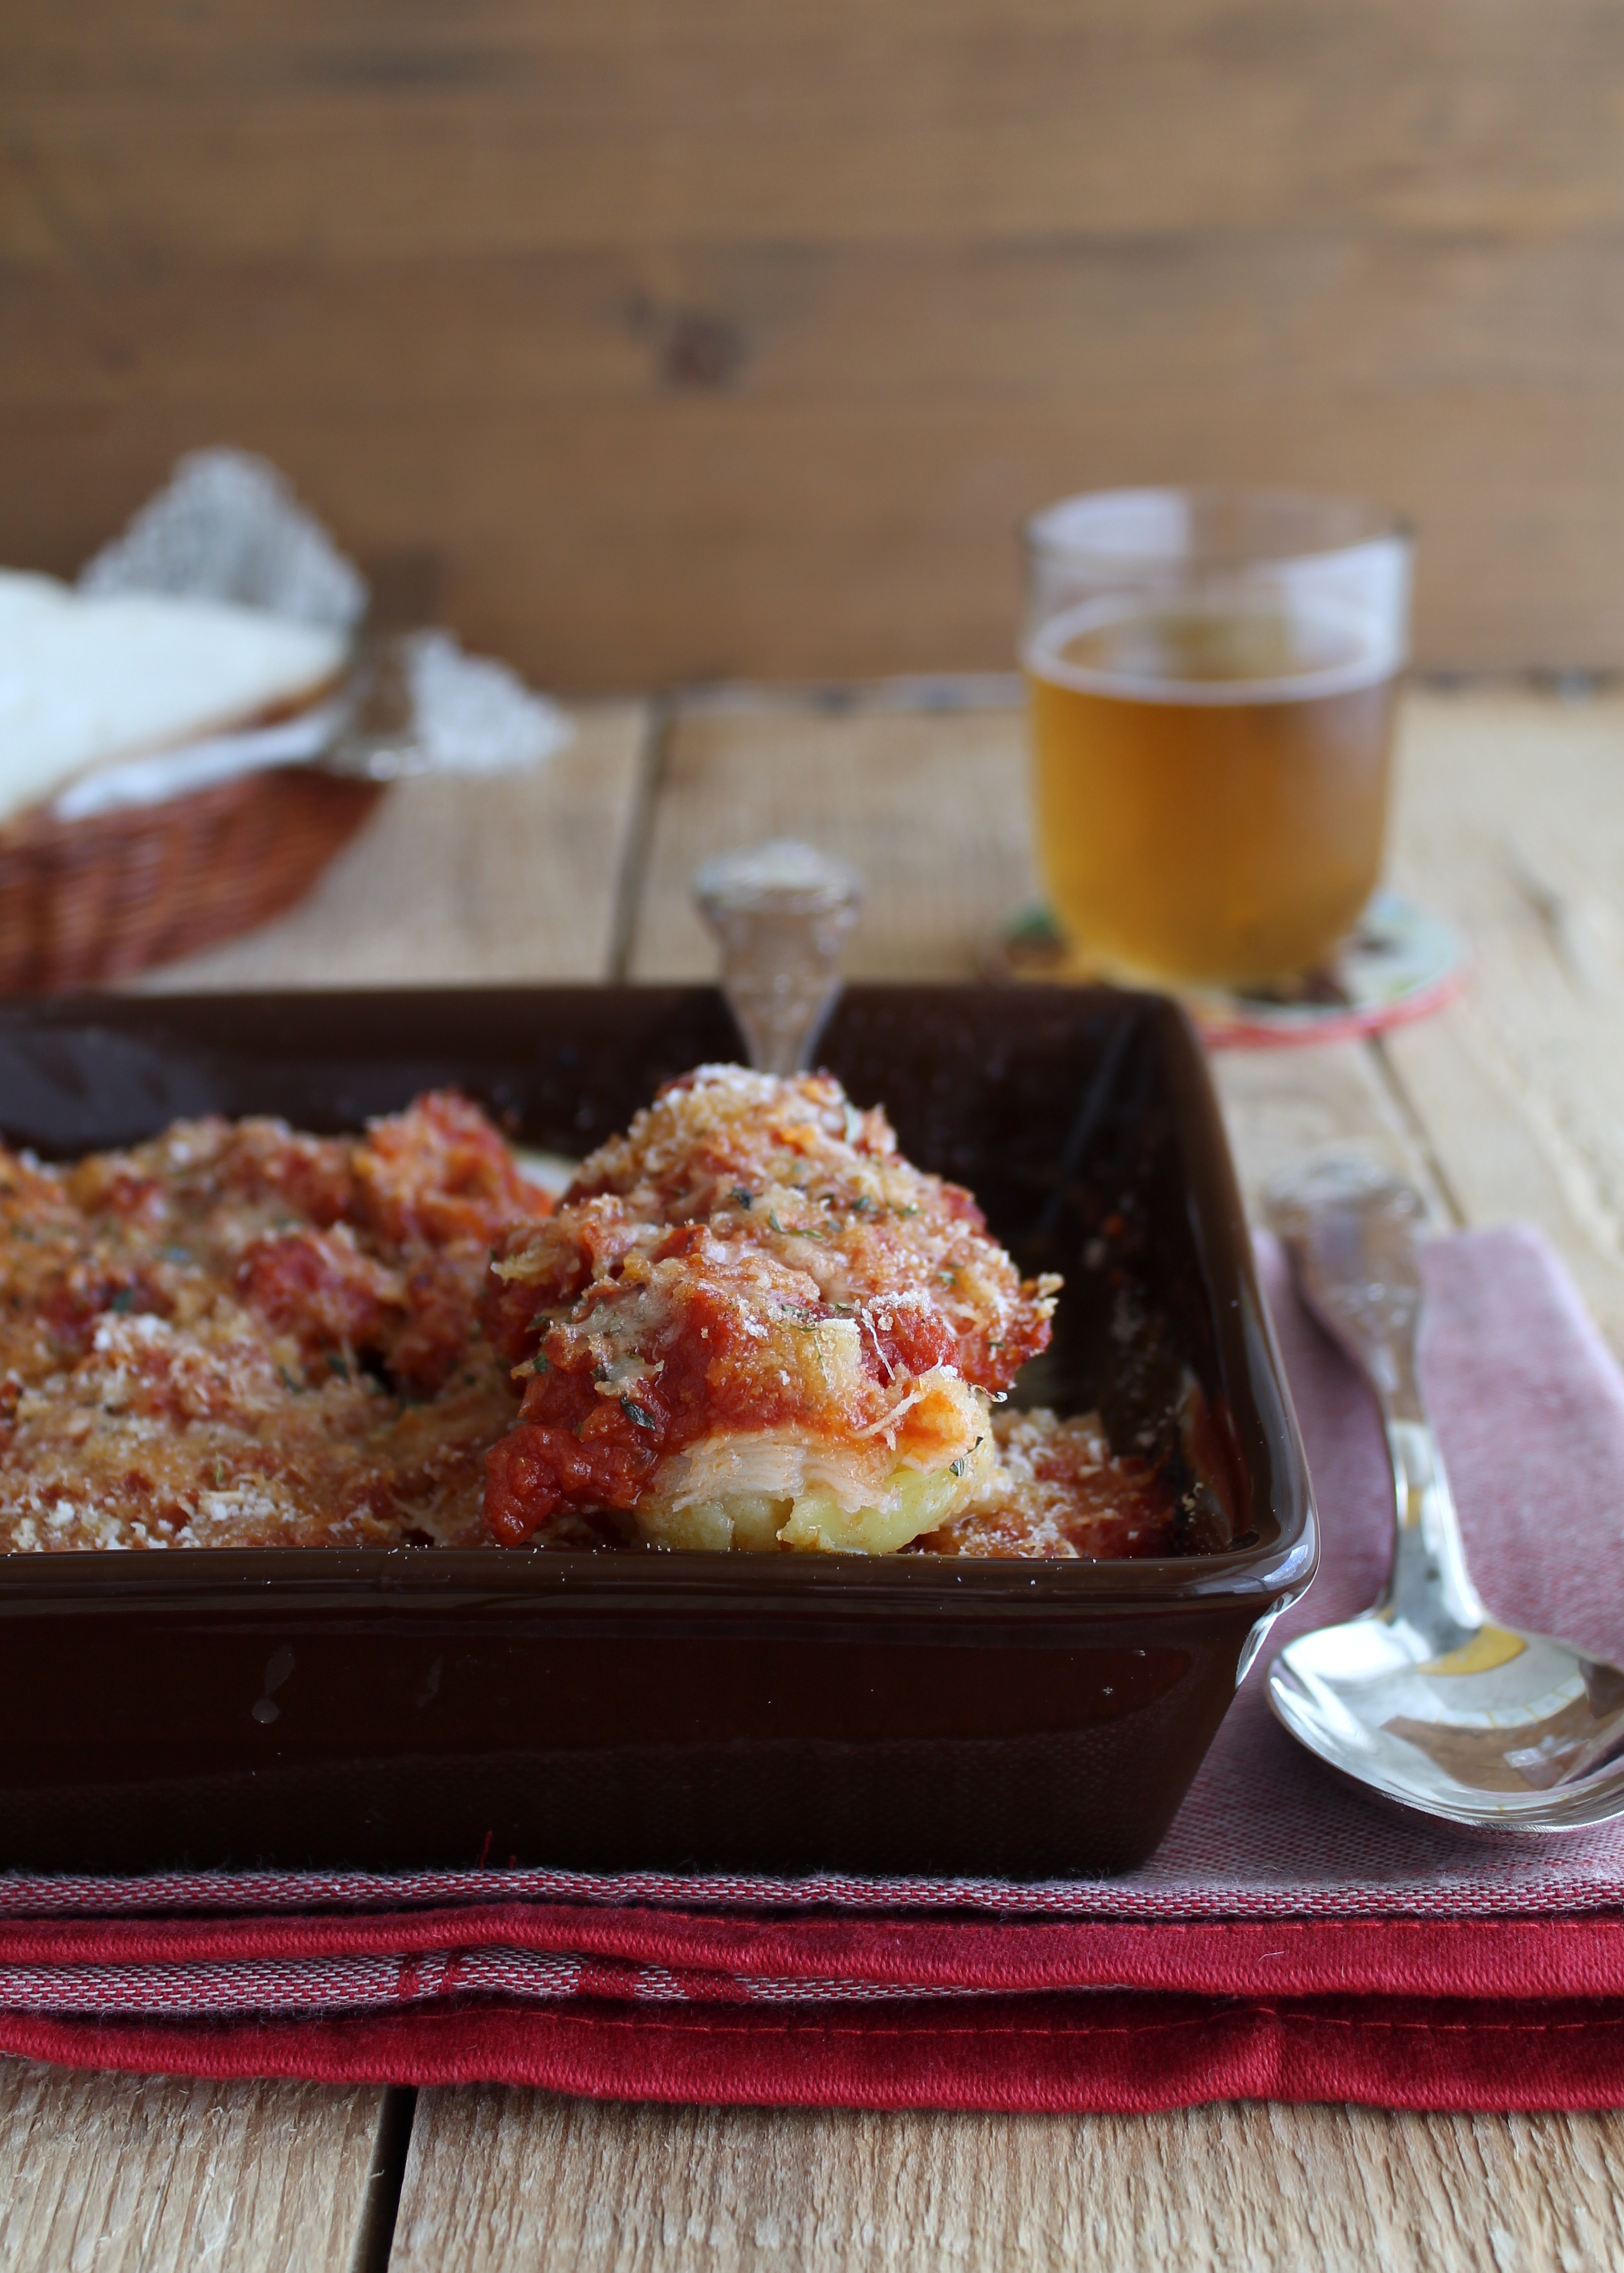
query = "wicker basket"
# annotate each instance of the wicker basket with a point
(83, 901)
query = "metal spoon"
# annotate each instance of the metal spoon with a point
(1426, 1699)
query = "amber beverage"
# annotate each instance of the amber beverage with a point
(1211, 757)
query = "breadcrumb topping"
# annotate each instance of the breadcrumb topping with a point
(749, 1324)
(237, 1335)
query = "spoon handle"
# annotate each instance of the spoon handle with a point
(1351, 1230)
(780, 912)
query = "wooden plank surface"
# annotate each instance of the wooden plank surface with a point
(929, 807)
(736, 340)
(464, 881)
(1512, 824)
(617, 2189)
(227, 127)
(1281, 1105)
(124, 2173)
(709, 524)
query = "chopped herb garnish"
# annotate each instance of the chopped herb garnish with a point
(337, 1363)
(960, 1466)
(862, 1204)
(949, 1277)
(122, 1300)
(540, 1322)
(742, 1198)
(793, 1232)
(904, 1211)
(287, 1379)
(638, 1413)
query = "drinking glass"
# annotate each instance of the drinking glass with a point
(1213, 677)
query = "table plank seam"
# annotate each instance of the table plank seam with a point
(374, 2241)
(631, 885)
(1416, 1129)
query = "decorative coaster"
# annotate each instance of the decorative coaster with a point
(1401, 962)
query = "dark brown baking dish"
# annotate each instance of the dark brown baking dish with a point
(776, 1712)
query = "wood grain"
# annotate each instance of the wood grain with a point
(1511, 823)
(456, 882)
(931, 807)
(1281, 1106)
(350, 130)
(702, 530)
(915, 324)
(727, 340)
(129, 2173)
(616, 2189)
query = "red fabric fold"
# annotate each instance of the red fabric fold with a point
(918, 1957)
(1110, 2054)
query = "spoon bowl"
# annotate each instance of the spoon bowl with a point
(1530, 1740)
(1427, 1700)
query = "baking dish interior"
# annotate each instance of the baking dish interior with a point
(1082, 1119)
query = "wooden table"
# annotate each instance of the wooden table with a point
(1510, 1104)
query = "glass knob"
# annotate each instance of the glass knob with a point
(781, 912)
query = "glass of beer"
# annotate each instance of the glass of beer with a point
(1213, 677)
